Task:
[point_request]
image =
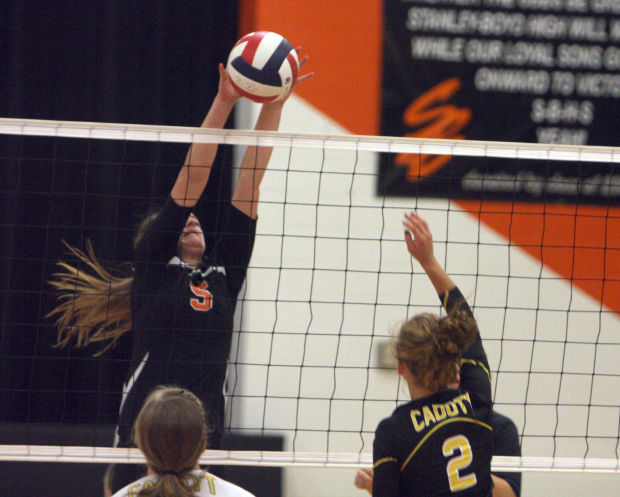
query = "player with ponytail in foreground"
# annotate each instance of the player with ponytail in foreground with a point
(171, 432)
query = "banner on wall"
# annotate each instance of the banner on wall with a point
(537, 71)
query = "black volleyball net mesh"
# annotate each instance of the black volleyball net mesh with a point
(535, 253)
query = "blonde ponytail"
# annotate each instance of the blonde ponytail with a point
(93, 307)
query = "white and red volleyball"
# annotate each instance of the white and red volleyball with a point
(263, 66)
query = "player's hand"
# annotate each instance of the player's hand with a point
(418, 238)
(226, 91)
(300, 79)
(363, 479)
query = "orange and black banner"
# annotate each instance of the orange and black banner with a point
(537, 71)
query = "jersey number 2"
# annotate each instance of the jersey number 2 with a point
(455, 464)
(204, 298)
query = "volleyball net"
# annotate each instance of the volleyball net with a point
(330, 279)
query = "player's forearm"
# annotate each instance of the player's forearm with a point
(257, 158)
(194, 174)
(254, 163)
(203, 154)
(441, 280)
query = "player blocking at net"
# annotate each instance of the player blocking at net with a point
(180, 300)
(440, 443)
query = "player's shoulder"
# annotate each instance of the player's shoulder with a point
(208, 485)
(213, 485)
(135, 487)
(399, 416)
(500, 421)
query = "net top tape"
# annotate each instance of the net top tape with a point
(75, 454)
(179, 134)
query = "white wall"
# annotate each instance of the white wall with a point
(330, 278)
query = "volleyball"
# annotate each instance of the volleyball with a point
(263, 66)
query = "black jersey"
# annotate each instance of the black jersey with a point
(506, 440)
(440, 445)
(183, 318)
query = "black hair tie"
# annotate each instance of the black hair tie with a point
(175, 473)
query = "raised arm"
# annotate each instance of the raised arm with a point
(474, 364)
(194, 175)
(254, 162)
(255, 159)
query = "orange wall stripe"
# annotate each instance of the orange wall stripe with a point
(582, 243)
(344, 41)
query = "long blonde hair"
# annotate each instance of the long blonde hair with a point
(94, 304)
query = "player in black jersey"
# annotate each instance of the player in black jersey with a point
(440, 443)
(505, 443)
(184, 294)
(180, 300)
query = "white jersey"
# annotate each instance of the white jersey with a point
(209, 485)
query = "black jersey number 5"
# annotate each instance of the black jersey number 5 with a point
(204, 299)
(459, 462)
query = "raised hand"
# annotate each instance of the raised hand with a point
(302, 61)
(226, 91)
(419, 238)
(300, 79)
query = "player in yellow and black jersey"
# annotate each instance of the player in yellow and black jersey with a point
(440, 443)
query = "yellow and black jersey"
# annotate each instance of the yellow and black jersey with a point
(440, 445)
(506, 443)
(183, 318)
